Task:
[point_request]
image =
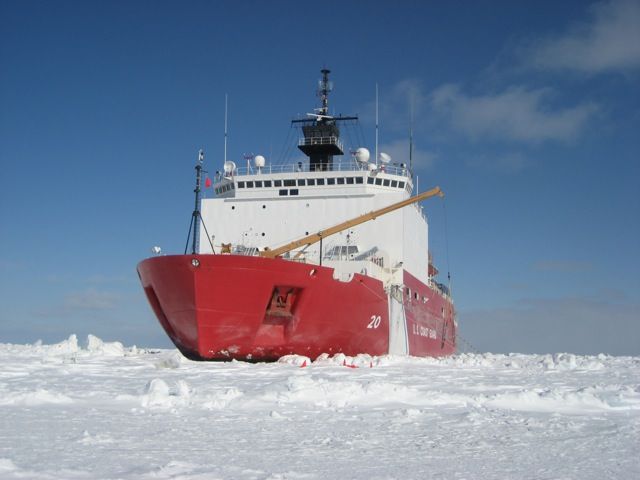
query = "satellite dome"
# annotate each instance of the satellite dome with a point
(259, 161)
(362, 155)
(372, 167)
(229, 166)
(385, 157)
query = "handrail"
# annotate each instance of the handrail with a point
(338, 166)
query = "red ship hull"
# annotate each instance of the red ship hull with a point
(222, 307)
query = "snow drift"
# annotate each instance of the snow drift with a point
(102, 410)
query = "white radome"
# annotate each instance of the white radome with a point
(362, 155)
(260, 161)
(229, 166)
(385, 157)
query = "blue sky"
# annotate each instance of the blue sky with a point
(527, 115)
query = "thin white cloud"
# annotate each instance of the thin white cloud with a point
(395, 106)
(516, 114)
(556, 325)
(399, 152)
(510, 162)
(562, 266)
(90, 299)
(609, 41)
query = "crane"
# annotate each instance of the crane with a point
(317, 237)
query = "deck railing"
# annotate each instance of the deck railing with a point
(338, 166)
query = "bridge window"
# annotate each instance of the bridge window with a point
(249, 184)
(386, 182)
(283, 192)
(331, 181)
(370, 181)
(359, 180)
(311, 181)
(301, 182)
(258, 183)
(350, 180)
(340, 181)
(378, 181)
(267, 183)
(401, 184)
(293, 191)
(240, 184)
(277, 183)
(394, 183)
(320, 181)
(289, 183)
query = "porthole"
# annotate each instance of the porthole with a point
(264, 206)
(233, 207)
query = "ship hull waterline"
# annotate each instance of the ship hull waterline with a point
(224, 307)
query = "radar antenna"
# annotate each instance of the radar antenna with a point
(324, 87)
(321, 134)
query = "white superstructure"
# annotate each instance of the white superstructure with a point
(267, 206)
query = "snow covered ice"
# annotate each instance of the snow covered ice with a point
(103, 410)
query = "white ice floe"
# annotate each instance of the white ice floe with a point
(102, 410)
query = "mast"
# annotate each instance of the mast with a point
(225, 127)
(195, 220)
(411, 135)
(376, 152)
(323, 91)
(321, 135)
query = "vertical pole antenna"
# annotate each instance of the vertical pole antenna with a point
(411, 134)
(195, 247)
(225, 127)
(376, 153)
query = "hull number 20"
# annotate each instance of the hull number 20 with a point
(375, 321)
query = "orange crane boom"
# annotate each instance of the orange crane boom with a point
(316, 237)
